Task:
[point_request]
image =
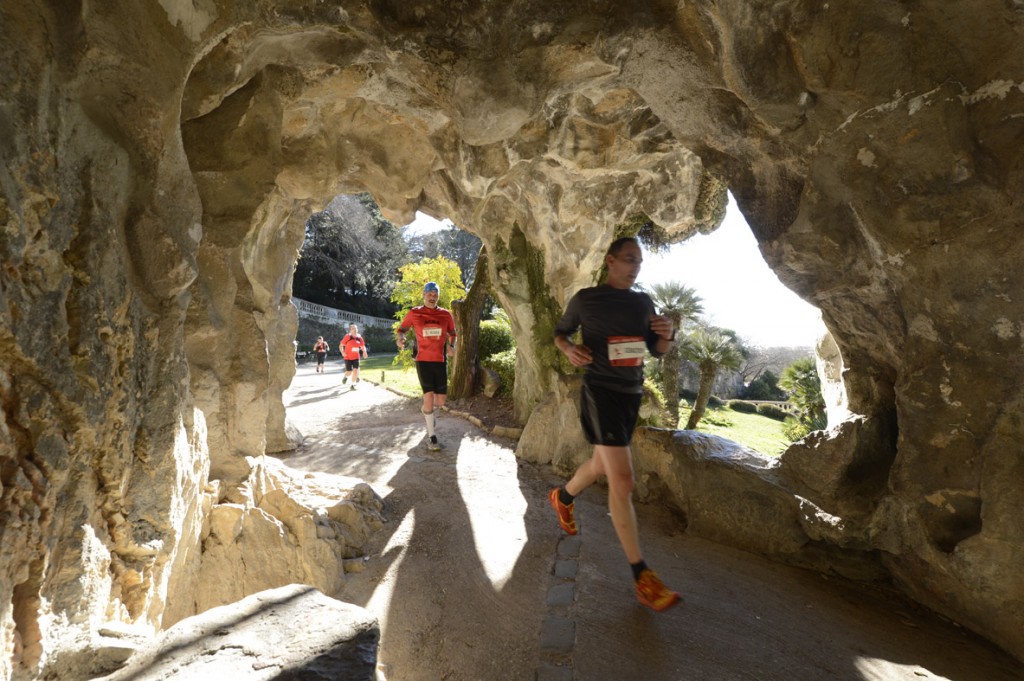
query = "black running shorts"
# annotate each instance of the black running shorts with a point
(351, 364)
(433, 377)
(608, 417)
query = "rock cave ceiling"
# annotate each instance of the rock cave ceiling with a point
(162, 159)
(873, 150)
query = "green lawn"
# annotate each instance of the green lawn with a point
(760, 433)
(379, 369)
(751, 430)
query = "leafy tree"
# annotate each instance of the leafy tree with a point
(801, 380)
(408, 292)
(682, 305)
(764, 387)
(776, 359)
(350, 257)
(711, 350)
(453, 243)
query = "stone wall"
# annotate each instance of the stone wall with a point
(160, 159)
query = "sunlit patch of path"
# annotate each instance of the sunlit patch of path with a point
(456, 578)
(471, 578)
(496, 512)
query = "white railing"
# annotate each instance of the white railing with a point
(785, 405)
(329, 315)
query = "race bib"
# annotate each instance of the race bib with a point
(432, 332)
(626, 351)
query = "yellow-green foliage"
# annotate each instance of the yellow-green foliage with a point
(795, 430)
(408, 292)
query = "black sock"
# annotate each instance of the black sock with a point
(638, 568)
(564, 496)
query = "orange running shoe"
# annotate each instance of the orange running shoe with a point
(653, 593)
(566, 515)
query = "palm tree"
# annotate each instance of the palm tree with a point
(801, 380)
(711, 350)
(681, 304)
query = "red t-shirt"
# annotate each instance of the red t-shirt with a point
(351, 345)
(433, 326)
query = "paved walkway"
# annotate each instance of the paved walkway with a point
(472, 579)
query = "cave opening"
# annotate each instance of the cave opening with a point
(738, 297)
(353, 260)
(158, 185)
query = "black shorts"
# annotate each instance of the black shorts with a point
(351, 364)
(608, 417)
(320, 357)
(433, 377)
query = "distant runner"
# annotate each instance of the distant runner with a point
(320, 348)
(435, 342)
(619, 326)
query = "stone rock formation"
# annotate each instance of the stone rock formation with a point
(160, 159)
(311, 523)
(830, 371)
(324, 639)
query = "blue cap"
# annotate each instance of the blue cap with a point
(431, 286)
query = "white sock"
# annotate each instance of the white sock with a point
(428, 416)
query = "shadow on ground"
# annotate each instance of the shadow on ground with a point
(459, 575)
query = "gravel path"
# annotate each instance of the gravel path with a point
(472, 580)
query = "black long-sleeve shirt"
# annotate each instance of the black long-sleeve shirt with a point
(617, 329)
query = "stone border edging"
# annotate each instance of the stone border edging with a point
(497, 431)
(557, 638)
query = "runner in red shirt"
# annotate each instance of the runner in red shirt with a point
(320, 349)
(434, 329)
(351, 345)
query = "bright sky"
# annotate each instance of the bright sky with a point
(424, 224)
(738, 289)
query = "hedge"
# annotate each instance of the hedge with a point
(743, 406)
(495, 338)
(772, 412)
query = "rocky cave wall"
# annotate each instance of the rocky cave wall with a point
(160, 158)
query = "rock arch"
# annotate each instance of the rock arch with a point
(160, 162)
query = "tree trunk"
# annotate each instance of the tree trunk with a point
(707, 381)
(467, 325)
(670, 374)
(670, 384)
